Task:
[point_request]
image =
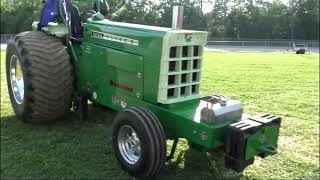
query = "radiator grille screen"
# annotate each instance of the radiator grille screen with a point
(184, 71)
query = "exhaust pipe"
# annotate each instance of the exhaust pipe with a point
(177, 17)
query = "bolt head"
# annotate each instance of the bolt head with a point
(94, 95)
(139, 75)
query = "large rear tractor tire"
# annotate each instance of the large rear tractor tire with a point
(139, 142)
(39, 77)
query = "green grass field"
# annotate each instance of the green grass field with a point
(283, 84)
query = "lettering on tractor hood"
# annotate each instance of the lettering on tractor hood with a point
(114, 38)
(121, 86)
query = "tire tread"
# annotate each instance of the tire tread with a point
(155, 136)
(48, 77)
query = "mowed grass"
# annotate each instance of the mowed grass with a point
(283, 84)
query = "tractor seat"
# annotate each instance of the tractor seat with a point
(76, 25)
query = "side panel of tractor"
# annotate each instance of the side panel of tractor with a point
(137, 76)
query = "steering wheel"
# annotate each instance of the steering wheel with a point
(87, 14)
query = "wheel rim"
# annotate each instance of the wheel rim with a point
(129, 144)
(16, 79)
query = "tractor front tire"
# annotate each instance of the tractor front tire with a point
(39, 77)
(139, 142)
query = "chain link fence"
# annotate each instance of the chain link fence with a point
(262, 42)
(231, 43)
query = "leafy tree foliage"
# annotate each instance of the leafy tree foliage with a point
(228, 18)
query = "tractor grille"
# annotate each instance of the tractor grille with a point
(181, 72)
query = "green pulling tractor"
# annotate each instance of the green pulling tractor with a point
(151, 75)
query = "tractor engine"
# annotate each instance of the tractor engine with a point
(157, 64)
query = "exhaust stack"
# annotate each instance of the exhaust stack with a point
(177, 17)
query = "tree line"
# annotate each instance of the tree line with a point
(263, 19)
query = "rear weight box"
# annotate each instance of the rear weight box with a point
(250, 137)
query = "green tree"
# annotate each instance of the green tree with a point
(305, 19)
(217, 25)
(228, 18)
(17, 16)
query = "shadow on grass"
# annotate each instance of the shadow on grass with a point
(83, 149)
(96, 115)
(192, 164)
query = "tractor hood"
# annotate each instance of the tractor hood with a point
(173, 56)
